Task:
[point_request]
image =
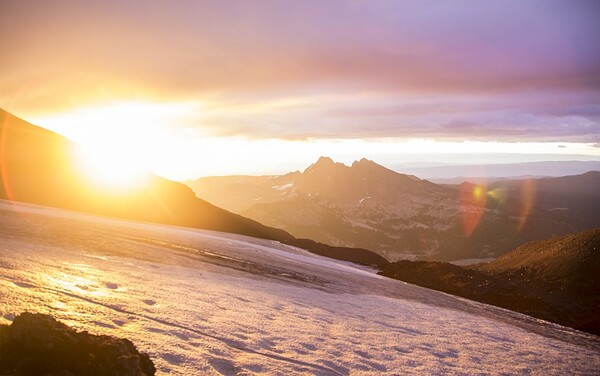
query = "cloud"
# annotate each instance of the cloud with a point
(360, 69)
(379, 116)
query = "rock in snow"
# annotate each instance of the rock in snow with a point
(36, 344)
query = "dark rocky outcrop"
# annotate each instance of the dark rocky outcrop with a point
(37, 344)
(355, 255)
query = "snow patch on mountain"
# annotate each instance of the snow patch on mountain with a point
(283, 187)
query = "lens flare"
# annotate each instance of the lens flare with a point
(3, 165)
(527, 201)
(472, 200)
(498, 194)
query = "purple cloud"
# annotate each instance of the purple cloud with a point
(461, 69)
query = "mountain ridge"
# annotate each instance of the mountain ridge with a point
(369, 206)
(455, 174)
(38, 167)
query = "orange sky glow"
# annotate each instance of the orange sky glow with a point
(189, 89)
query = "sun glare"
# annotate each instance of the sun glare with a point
(108, 170)
(176, 140)
(119, 141)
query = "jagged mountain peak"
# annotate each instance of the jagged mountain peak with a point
(325, 160)
(324, 164)
(364, 162)
(366, 167)
(363, 178)
(363, 168)
(329, 163)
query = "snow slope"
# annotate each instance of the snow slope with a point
(202, 302)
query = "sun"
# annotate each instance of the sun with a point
(109, 170)
(119, 142)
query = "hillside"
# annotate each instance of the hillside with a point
(399, 216)
(208, 303)
(575, 198)
(40, 167)
(569, 264)
(555, 280)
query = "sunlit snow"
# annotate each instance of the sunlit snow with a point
(202, 302)
(283, 187)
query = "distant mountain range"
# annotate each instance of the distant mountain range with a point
(555, 280)
(455, 174)
(366, 205)
(38, 166)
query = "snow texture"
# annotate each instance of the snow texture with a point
(202, 302)
(283, 187)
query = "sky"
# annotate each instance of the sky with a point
(193, 88)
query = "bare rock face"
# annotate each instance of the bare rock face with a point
(37, 344)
